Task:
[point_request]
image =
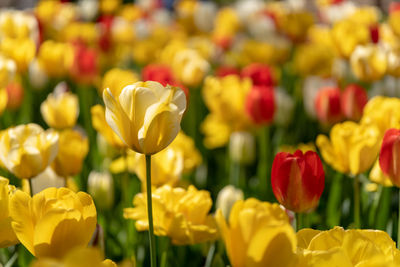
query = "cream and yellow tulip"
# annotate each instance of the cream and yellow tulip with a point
(60, 110)
(190, 67)
(369, 62)
(73, 148)
(146, 115)
(27, 150)
(339, 247)
(54, 221)
(79, 257)
(7, 235)
(352, 148)
(179, 214)
(258, 234)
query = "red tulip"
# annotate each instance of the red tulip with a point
(327, 105)
(298, 180)
(260, 104)
(158, 73)
(389, 158)
(394, 7)
(85, 66)
(260, 74)
(353, 100)
(374, 33)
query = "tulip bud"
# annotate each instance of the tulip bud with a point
(389, 158)
(327, 105)
(298, 180)
(353, 100)
(242, 147)
(15, 94)
(227, 197)
(260, 104)
(37, 75)
(101, 188)
(260, 74)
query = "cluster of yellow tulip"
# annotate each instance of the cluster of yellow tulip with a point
(188, 132)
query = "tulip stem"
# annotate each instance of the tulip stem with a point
(153, 260)
(299, 221)
(263, 162)
(30, 186)
(356, 188)
(210, 255)
(398, 225)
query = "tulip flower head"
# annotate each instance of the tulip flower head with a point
(260, 104)
(389, 158)
(353, 100)
(54, 221)
(7, 235)
(27, 150)
(298, 180)
(146, 115)
(327, 105)
(260, 74)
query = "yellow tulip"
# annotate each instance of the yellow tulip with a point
(271, 52)
(314, 59)
(179, 214)
(352, 148)
(191, 156)
(216, 131)
(369, 63)
(60, 110)
(7, 71)
(7, 235)
(73, 148)
(79, 257)
(146, 115)
(258, 234)
(116, 79)
(394, 22)
(347, 34)
(295, 24)
(100, 124)
(22, 51)
(227, 24)
(27, 150)
(53, 54)
(18, 24)
(54, 221)
(144, 51)
(383, 112)
(109, 6)
(86, 32)
(190, 67)
(377, 176)
(3, 99)
(339, 247)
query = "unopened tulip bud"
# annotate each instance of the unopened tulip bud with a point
(260, 104)
(101, 188)
(227, 197)
(353, 100)
(389, 158)
(242, 147)
(298, 180)
(327, 105)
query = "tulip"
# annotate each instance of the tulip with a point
(3, 100)
(37, 75)
(55, 54)
(378, 177)
(298, 180)
(260, 74)
(78, 257)
(7, 235)
(22, 51)
(313, 59)
(15, 94)
(369, 62)
(346, 248)
(7, 71)
(61, 108)
(227, 197)
(242, 147)
(284, 107)
(257, 234)
(179, 214)
(146, 115)
(327, 105)
(260, 104)
(389, 155)
(85, 65)
(190, 67)
(73, 148)
(68, 221)
(352, 148)
(27, 150)
(105, 131)
(353, 100)
(101, 188)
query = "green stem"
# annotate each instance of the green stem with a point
(356, 188)
(30, 186)
(235, 174)
(383, 213)
(263, 163)
(398, 225)
(210, 255)
(334, 200)
(299, 221)
(153, 261)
